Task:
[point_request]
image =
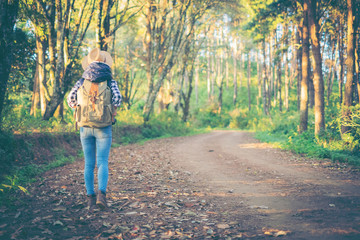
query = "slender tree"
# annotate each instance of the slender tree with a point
(249, 79)
(352, 24)
(40, 88)
(235, 69)
(298, 65)
(341, 59)
(314, 27)
(305, 70)
(264, 87)
(286, 64)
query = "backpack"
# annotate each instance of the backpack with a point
(94, 107)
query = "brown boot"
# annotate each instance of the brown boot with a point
(101, 200)
(91, 202)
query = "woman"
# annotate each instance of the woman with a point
(96, 142)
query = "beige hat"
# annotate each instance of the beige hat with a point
(97, 55)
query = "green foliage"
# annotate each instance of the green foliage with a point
(23, 175)
(24, 62)
(17, 117)
(11, 185)
(165, 124)
(130, 127)
(242, 118)
(6, 152)
(329, 144)
(209, 117)
(306, 143)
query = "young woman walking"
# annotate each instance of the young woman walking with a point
(95, 118)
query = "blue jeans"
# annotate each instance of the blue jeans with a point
(96, 143)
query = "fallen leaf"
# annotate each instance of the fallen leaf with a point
(223, 226)
(3, 225)
(281, 233)
(17, 215)
(59, 209)
(147, 226)
(167, 234)
(130, 213)
(106, 224)
(259, 207)
(209, 231)
(212, 213)
(58, 223)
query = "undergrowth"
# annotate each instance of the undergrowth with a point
(329, 144)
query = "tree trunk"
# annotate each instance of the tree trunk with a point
(148, 61)
(249, 80)
(220, 99)
(235, 71)
(220, 78)
(274, 93)
(187, 97)
(286, 71)
(287, 83)
(305, 71)
(8, 14)
(311, 86)
(208, 78)
(279, 83)
(56, 60)
(41, 47)
(240, 64)
(272, 90)
(264, 79)
(357, 70)
(350, 64)
(318, 76)
(197, 63)
(341, 60)
(213, 69)
(258, 73)
(298, 66)
(40, 83)
(227, 65)
(293, 46)
(277, 72)
(35, 99)
(332, 69)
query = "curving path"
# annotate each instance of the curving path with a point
(284, 193)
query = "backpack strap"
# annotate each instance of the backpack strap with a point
(76, 124)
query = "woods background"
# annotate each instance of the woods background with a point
(286, 69)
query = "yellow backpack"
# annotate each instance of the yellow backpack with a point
(94, 107)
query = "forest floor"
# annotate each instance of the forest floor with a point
(219, 185)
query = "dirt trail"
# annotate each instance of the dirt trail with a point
(220, 185)
(287, 193)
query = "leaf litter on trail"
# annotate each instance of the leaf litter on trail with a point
(144, 188)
